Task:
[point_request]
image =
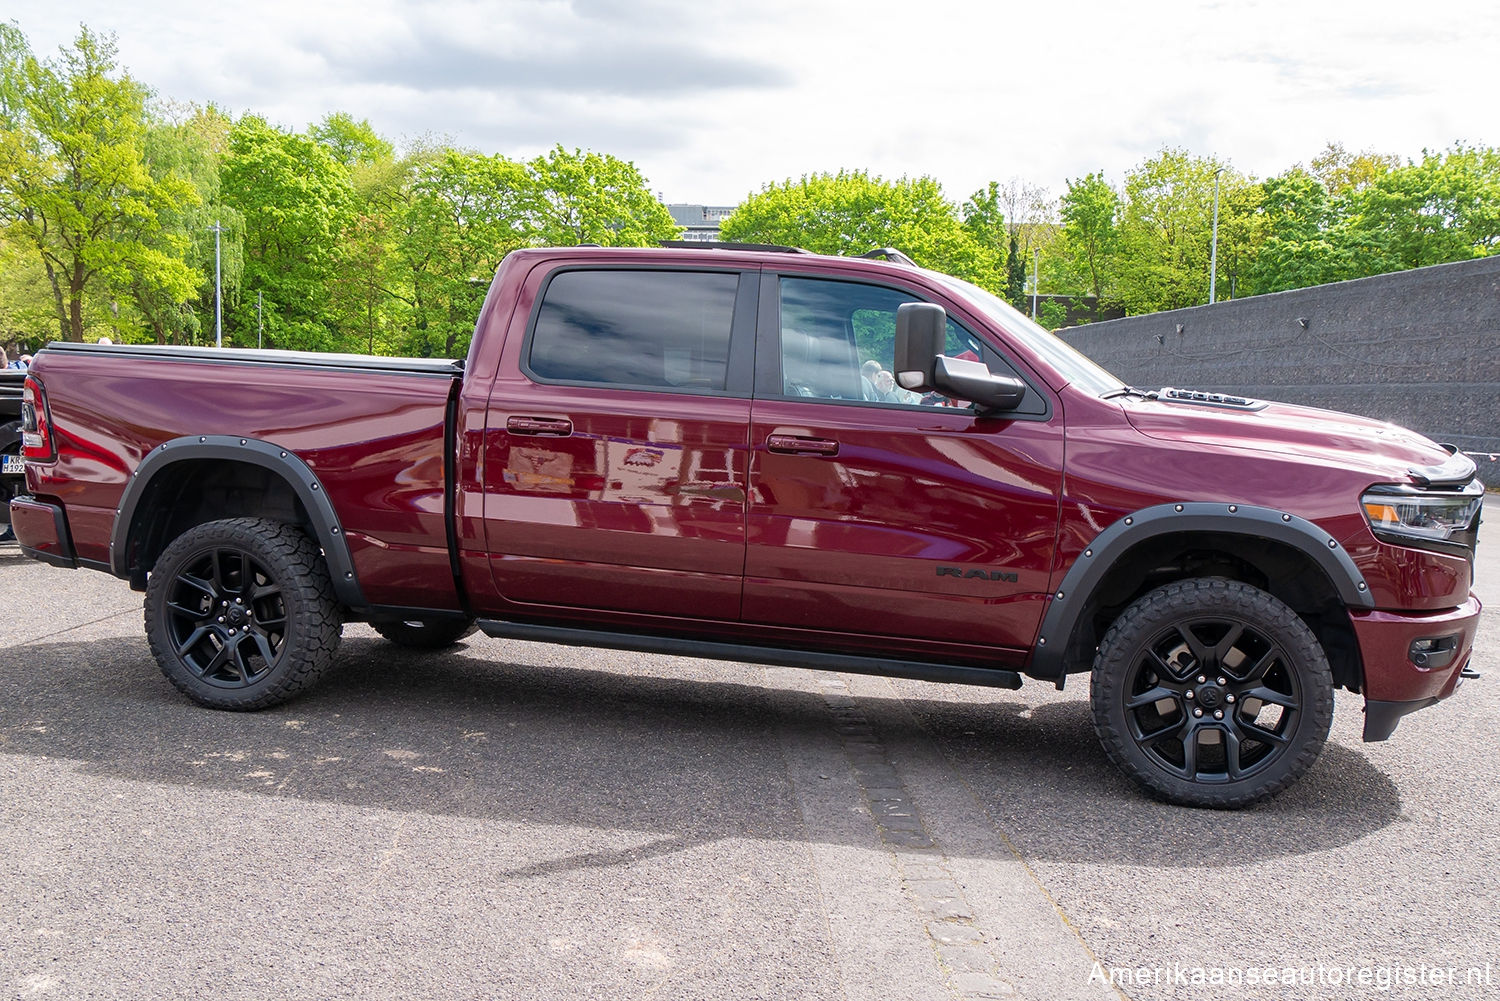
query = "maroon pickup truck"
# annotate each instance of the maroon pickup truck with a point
(762, 455)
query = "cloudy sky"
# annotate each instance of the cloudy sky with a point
(713, 98)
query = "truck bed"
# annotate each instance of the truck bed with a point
(371, 429)
(248, 356)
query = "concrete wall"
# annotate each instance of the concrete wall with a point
(1419, 348)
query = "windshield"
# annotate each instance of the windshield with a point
(1079, 370)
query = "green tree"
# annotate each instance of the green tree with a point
(1444, 208)
(349, 142)
(364, 305)
(189, 142)
(852, 212)
(1052, 314)
(75, 187)
(984, 221)
(1165, 230)
(1030, 227)
(1242, 231)
(984, 218)
(1341, 172)
(1015, 273)
(588, 197)
(296, 203)
(1352, 216)
(15, 51)
(1089, 212)
(1299, 247)
(460, 213)
(26, 313)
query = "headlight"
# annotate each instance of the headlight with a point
(1404, 518)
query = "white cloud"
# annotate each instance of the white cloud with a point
(714, 99)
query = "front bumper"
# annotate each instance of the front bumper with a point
(1403, 673)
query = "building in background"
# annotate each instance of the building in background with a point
(700, 222)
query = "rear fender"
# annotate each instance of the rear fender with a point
(281, 462)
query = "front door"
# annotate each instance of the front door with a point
(904, 523)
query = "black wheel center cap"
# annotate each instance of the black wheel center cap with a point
(1210, 697)
(236, 615)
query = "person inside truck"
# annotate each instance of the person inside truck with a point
(882, 385)
(889, 392)
(869, 372)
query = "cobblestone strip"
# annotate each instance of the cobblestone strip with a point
(926, 877)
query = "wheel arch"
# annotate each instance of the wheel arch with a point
(191, 480)
(1284, 555)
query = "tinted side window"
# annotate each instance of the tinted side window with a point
(838, 342)
(654, 329)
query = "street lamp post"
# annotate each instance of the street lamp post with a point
(216, 229)
(1213, 256)
(1036, 278)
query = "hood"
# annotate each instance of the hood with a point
(1385, 451)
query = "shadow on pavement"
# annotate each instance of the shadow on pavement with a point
(1042, 776)
(694, 761)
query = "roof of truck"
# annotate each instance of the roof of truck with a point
(739, 252)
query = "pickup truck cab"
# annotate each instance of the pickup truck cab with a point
(762, 455)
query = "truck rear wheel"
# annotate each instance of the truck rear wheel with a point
(240, 613)
(425, 634)
(1211, 692)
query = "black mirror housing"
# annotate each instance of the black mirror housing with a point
(973, 381)
(921, 366)
(921, 334)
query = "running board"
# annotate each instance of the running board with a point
(710, 650)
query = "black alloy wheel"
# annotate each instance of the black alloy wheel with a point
(226, 618)
(240, 613)
(1211, 692)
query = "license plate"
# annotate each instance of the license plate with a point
(14, 464)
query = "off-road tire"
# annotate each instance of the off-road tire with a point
(241, 615)
(425, 634)
(1196, 648)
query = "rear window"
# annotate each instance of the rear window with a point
(640, 329)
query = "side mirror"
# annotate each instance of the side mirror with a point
(921, 334)
(973, 381)
(921, 366)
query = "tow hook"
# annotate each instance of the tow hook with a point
(1469, 674)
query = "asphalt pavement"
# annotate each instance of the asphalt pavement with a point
(516, 820)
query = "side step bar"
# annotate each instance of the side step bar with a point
(776, 656)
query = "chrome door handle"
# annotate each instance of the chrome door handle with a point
(554, 426)
(791, 444)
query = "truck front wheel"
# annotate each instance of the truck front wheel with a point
(240, 613)
(1211, 692)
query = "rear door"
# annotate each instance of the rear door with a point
(882, 515)
(616, 450)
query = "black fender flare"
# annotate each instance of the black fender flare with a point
(280, 461)
(1078, 584)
